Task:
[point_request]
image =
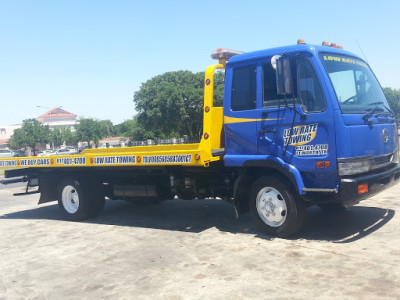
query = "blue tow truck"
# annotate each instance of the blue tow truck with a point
(300, 125)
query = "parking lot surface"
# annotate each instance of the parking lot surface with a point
(196, 250)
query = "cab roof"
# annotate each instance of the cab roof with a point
(313, 49)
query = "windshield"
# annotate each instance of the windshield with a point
(356, 87)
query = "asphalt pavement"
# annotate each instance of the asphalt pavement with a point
(196, 250)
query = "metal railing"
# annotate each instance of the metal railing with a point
(153, 142)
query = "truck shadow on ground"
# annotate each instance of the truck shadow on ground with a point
(199, 215)
(346, 226)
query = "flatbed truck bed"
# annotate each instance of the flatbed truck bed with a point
(161, 155)
(210, 148)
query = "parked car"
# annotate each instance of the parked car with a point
(66, 151)
(46, 152)
(73, 150)
(19, 152)
(4, 153)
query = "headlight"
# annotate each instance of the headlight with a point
(354, 167)
(395, 158)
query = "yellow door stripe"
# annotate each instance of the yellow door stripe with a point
(230, 120)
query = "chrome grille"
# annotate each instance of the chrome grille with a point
(383, 159)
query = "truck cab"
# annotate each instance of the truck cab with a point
(315, 114)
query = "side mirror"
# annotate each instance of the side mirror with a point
(283, 76)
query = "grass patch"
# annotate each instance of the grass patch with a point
(2, 171)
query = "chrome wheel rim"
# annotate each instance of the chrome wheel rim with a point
(271, 207)
(70, 199)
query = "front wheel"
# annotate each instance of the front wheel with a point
(80, 199)
(275, 206)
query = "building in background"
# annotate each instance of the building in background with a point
(5, 134)
(58, 118)
(55, 118)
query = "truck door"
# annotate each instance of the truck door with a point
(240, 113)
(298, 129)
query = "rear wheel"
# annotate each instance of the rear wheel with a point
(275, 207)
(80, 199)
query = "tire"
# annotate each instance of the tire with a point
(80, 199)
(275, 207)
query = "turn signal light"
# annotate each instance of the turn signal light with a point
(333, 45)
(363, 188)
(322, 164)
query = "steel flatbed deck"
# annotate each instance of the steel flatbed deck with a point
(184, 155)
(198, 155)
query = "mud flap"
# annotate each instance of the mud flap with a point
(48, 189)
(241, 195)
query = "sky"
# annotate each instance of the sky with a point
(89, 57)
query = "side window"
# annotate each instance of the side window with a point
(243, 96)
(270, 96)
(309, 88)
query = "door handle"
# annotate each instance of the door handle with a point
(266, 131)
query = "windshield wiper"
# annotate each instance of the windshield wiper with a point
(383, 104)
(371, 112)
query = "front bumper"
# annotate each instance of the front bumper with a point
(377, 182)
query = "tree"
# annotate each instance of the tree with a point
(171, 104)
(30, 135)
(90, 130)
(56, 137)
(108, 126)
(60, 135)
(69, 136)
(132, 129)
(393, 97)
